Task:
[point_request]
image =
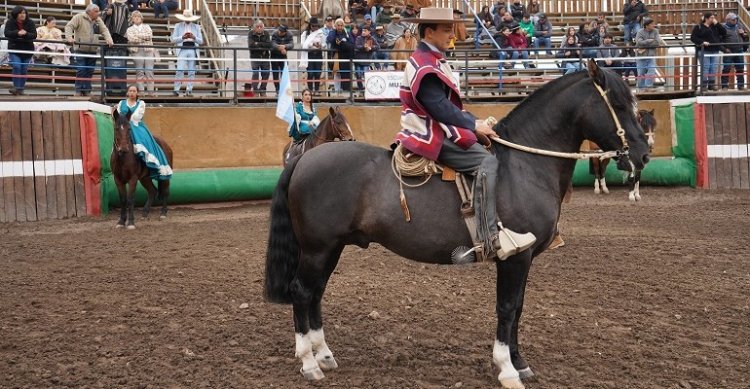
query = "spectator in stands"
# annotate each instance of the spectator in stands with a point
(527, 27)
(610, 53)
(459, 32)
(708, 36)
(601, 20)
(543, 34)
(3, 43)
(394, 30)
(50, 32)
(116, 17)
(21, 32)
(517, 10)
(534, 9)
(646, 42)
(736, 40)
(506, 21)
(307, 119)
(342, 42)
(328, 66)
(633, 13)
(81, 30)
(348, 23)
(313, 41)
(570, 54)
(405, 45)
(382, 55)
(281, 42)
(409, 11)
(628, 62)
(358, 7)
(259, 43)
(384, 17)
(187, 35)
(601, 32)
(162, 7)
(488, 34)
(480, 20)
(375, 7)
(519, 43)
(587, 42)
(505, 52)
(140, 37)
(368, 24)
(571, 31)
(365, 46)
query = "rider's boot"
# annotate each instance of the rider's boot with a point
(508, 243)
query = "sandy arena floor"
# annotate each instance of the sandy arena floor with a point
(651, 295)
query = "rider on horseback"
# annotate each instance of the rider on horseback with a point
(435, 126)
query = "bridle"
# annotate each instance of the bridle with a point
(338, 132)
(622, 152)
(116, 143)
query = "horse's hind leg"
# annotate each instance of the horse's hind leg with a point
(151, 190)
(307, 290)
(132, 185)
(163, 196)
(323, 354)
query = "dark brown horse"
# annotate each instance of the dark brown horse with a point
(333, 127)
(598, 168)
(128, 169)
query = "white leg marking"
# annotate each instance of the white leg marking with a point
(638, 191)
(604, 185)
(323, 354)
(508, 376)
(631, 195)
(303, 351)
(596, 186)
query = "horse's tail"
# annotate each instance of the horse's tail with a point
(282, 255)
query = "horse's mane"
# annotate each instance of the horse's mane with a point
(618, 92)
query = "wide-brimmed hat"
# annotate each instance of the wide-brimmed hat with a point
(313, 22)
(187, 16)
(435, 15)
(119, 1)
(396, 16)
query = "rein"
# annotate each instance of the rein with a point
(491, 121)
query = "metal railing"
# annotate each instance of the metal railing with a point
(676, 71)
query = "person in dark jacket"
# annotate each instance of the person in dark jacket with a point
(543, 34)
(21, 32)
(587, 41)
(633, 13)
(736, 40)
(259, 43)
(708, 36)
(517, 10)
(343, 43)
(117, 17)
(281, 42)
(365, 48)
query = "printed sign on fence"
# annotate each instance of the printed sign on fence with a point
(382, 85)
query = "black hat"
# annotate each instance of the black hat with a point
(283, 28)
(313, 21)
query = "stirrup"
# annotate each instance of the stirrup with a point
(509, 243)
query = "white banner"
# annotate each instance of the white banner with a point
(382, 85)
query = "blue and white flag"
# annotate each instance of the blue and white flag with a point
(285, 102)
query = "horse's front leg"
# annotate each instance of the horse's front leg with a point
(635, 183)
(132, 185)
(123, 202)
(524, 371)
(511, 279)
(151, 190)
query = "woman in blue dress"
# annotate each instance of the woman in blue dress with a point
(307, 120)
(144, 144)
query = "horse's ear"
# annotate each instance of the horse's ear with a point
(331, 111)
(596, 73)
(115, 115)
(652, 111)
(128, 115)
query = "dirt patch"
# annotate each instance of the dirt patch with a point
(651, 295)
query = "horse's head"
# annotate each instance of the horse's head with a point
(339, 126)
(609, 119)
(647, 121)
(123, 142)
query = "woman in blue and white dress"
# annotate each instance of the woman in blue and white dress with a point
(144, 144)
(306, 118)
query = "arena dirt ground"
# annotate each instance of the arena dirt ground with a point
(647, 295)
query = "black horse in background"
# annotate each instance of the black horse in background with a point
(345, 193)
(128, 169)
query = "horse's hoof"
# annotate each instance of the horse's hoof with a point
(512, 383)
(162, 217)
(119, 226)
(131, 227)
(597, 191)
(327, 363)
(605, 191)
(637, 198)
(525, 374)
(631, 197)
(314, 374)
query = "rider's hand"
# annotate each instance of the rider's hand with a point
(484, 129)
